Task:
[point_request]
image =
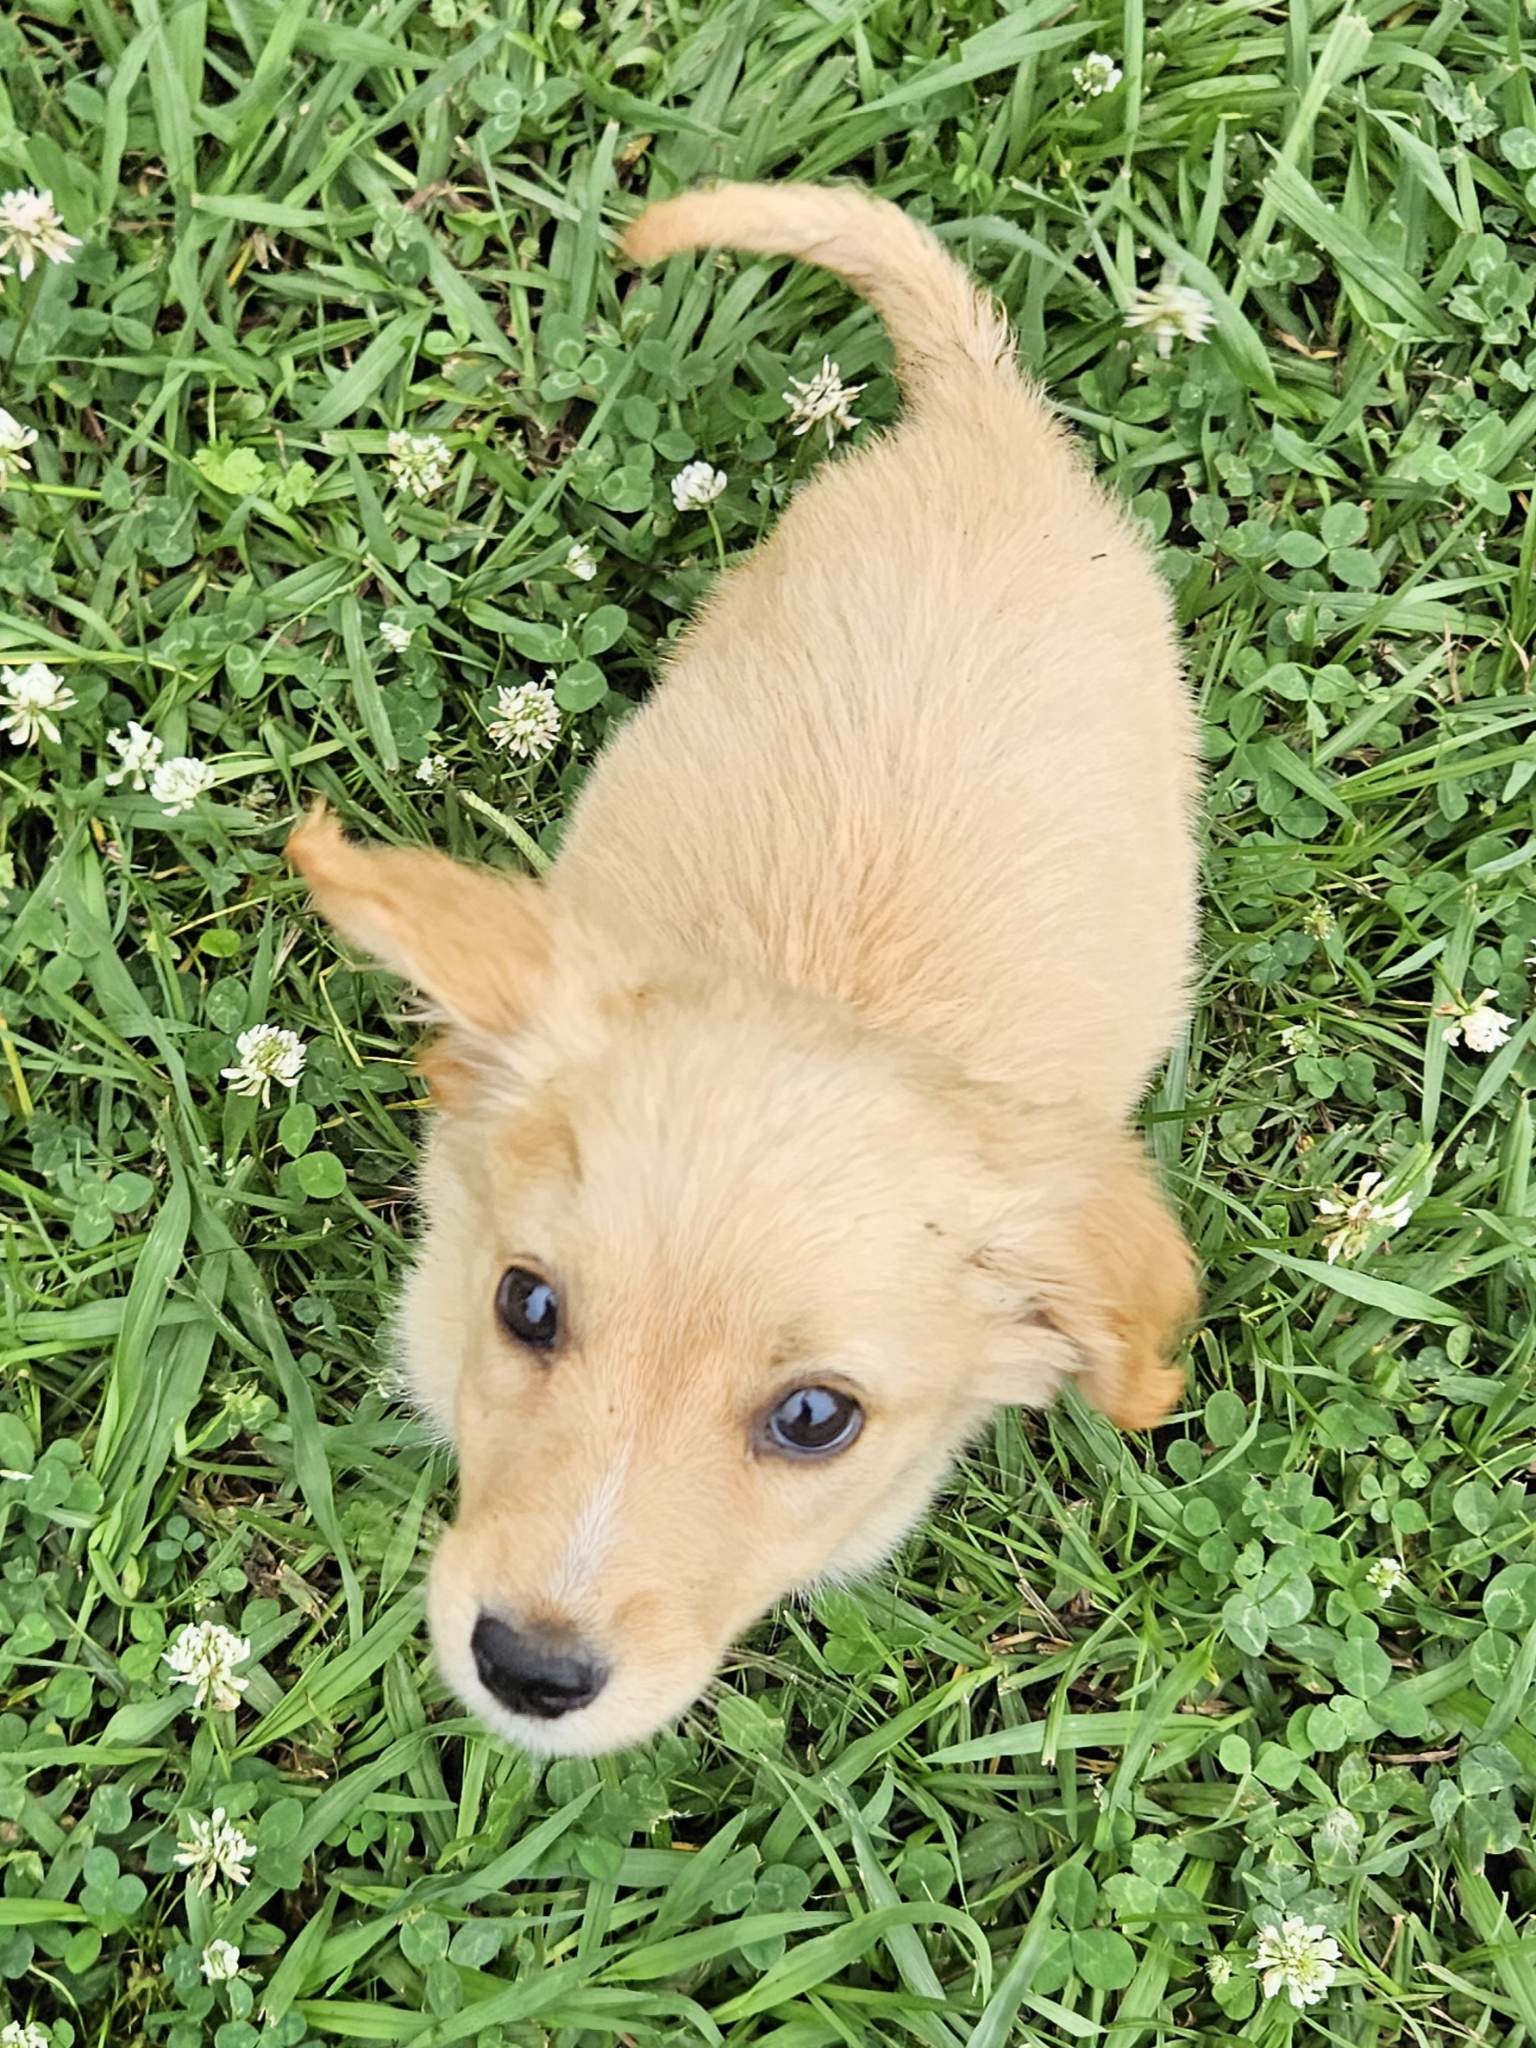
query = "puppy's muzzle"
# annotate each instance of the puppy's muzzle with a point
(534, 1672)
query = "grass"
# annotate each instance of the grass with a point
(1121, 1704)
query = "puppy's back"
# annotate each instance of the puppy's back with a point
(929, 749)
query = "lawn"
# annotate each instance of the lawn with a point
(1123, 1708)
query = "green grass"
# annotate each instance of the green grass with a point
(1119, 1703)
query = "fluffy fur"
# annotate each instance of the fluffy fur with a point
(811, 1059)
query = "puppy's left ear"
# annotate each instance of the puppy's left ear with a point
(475, 942)
(1094, 1278)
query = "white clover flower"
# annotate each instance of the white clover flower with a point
(215, 1848)
(1096, 74)
(31, 699)
(1219, 1970)
(1171, 311)
(24, 2034)
(419, 463)
(397, 638)
(822, 400)
(697, 485)
(1297, 1958)
(205, 1653)
(14, 438)
(177, 784)
(527, 721)
(138, 753)
(264, 1054)
(30, 228)
(432, 771)
(1386, 1575)
(1480, 1027)
(580, 561)
(221, 1962)
(1301, 1038)
(1361, 1217)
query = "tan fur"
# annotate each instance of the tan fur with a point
(811, 1059)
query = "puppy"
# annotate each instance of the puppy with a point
(782, 1127)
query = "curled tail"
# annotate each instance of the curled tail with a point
(937, 318)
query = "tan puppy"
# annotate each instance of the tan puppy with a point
(783, 1125)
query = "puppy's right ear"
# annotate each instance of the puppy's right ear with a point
(475, 943)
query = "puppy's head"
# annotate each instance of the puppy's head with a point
(714, 1283)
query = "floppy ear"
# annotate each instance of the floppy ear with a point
(1096, 1279)
(475, 943)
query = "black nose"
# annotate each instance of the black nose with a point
(542, 1675)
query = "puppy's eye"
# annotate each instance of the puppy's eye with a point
(528, 1308)
(814, 1422)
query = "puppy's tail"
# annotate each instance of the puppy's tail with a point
(937, 319)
